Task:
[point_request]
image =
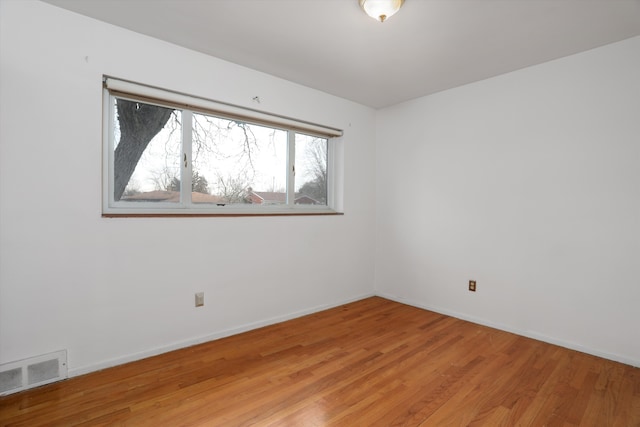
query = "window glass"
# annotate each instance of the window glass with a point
(147, 148)
(238, 163)
(311, 170)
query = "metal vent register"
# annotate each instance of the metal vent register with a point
(33, 372)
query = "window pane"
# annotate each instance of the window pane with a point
(146, 153)
(237, 163)
(311, 170)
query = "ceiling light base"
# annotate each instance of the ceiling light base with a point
(380, 10)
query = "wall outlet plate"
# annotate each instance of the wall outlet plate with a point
(199, 299)
(472, 285)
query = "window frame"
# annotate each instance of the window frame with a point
(188, 105)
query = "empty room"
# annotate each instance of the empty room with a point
(320, 212)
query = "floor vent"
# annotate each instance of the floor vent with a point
(33, 372)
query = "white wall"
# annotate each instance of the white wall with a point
(112, 290)
(528, 183)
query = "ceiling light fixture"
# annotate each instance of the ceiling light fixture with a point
(380, 10)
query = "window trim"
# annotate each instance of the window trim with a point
(188, 105)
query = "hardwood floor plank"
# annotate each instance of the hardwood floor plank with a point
(369, 363)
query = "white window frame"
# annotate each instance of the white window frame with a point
(187, 104)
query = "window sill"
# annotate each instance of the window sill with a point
(208, 214)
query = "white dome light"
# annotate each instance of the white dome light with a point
(381, 10)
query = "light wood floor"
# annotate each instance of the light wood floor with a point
(369, 363)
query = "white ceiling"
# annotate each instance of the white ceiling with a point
(331, 45)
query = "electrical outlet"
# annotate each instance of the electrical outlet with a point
(472, 285)
(199, 299)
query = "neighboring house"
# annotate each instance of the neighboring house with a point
(266, 197)
(254, 197)
(172, 196)
(278, 198)
(303, 199)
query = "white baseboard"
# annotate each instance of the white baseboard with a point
(540, 337)
(255, 325)
(202, 339)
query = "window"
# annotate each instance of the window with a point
(168, 153)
